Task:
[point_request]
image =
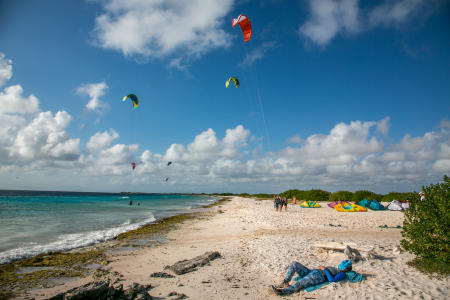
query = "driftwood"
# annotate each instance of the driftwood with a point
(190, 265)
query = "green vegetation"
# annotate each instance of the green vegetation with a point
(311, 195)
(363, 194)
(341, 196)
(50, 265)
(397, 196)
(426, 229)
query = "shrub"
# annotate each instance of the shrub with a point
(341, 196)
(363, 194)
(426, 227)
(397, 196)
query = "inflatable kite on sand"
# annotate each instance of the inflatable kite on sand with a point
(310, 204)
(349, 207)
(246, 27)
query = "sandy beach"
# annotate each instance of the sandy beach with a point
(257, 244)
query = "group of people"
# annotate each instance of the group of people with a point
(279, 202)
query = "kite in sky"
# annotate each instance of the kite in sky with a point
(234, 79)
(246, 26)
(133, 98)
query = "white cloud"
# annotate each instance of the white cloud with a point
(94, 91)
(383, 126)
(257, 53)
(12, 101)
(5, 69)
(329, 18)
(295, 139)
(101, 140)
(45, 138)
(158, 28)
(394, 12)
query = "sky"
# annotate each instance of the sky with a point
(334, 94)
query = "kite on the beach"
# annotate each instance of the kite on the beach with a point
(133, 165)
(246, 27)
(134, 99)
(234, 79)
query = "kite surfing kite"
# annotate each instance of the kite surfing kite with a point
(234, 79)
(133, 165)
(134, 99)
(246, 26)
(169, 163)
(166, 179)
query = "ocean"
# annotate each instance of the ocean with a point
(35, 222)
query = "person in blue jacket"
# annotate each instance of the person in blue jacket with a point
(311, 277)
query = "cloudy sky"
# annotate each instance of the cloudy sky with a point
(335, 94)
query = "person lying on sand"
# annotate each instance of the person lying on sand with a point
(311, 277)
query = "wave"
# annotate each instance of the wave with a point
(71, 241)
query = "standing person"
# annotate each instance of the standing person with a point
(294, 200)
(422, 196)
(284, 203)
(276, 203)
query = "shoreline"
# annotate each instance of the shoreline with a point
(51, 268)
(256, 245)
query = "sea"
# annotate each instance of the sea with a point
(35, 222)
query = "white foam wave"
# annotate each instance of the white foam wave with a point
(71, 241)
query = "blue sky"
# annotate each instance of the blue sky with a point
(341, 94)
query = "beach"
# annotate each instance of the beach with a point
(257, 244)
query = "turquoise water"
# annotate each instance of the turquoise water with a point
(34, 224)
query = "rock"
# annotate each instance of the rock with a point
(162, 275)
(190, 265)
(177, 296)
(102, 290)
(94, 290)
(137, 292)
(353, 254)
(397, 250)
(371, 254)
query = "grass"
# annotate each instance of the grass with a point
(431, 267)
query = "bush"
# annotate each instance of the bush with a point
(363, 194)
(311, 195)
(426, 226)
(397, 196)
(341, 196)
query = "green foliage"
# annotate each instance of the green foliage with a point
(397, 196)
(311, 195)
(341, 196)
(264, 196)
(430, 266)
(363, 194)
(426, 225)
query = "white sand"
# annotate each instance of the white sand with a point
(257, 244)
